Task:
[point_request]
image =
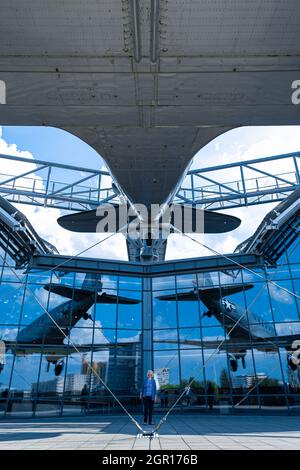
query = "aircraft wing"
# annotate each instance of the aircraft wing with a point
(205, 292)
(104, 298)
(78, 294)
(188, 296)
(284, 341)
(59, 350)
(231, 345)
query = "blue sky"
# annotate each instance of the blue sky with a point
(51, 144)
(55, 145)
(58, 146)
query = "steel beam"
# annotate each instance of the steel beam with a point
(211, 188)
(125, 268)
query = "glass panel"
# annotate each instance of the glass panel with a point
(192, 370)
(188, 311)
(258, 304)
(186, 281)
(11, 299)
(190, 338)
(283, 303)
(105, 315)
(168, 360)
(130, 283)
(129, 316)
(165, 339)
(163, 283)
(22, 395)
(164, 311)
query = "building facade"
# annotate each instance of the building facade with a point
(174, 328)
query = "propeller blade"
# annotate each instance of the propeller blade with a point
(107, 220)
(188, 219)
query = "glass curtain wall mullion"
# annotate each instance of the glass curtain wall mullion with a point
(202, 348)
(226, 346)
(266, 275)
(35, 399)
(62, 401)
(251, 345)
(16, 346)
(178, 338)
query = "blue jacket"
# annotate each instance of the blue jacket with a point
(144, 388)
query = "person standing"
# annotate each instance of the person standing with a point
(84, 398)
(188, 395)
(148, 395)
(210, 396)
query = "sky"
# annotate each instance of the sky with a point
(55, 145)
(51, 144)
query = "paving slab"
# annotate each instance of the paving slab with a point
(180, 432)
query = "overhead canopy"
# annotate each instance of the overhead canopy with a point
(148, 83)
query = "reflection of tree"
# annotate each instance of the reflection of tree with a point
(268, 382)
(169, 387)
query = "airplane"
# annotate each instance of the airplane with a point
(249, 329)
(43, 334)
(146, 230)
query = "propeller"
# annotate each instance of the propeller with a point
(208, 313)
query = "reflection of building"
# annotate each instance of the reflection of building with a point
(46, 387)
(162, 375)
(247, 381)
(74, 383)
(161, 337)
(124, 368)
(97, 371)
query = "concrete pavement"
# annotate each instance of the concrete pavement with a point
(180, 432)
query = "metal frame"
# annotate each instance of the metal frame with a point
(145, 270)
(213, 188)
(38, 187)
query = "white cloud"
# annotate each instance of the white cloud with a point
(44, 220)
(83, 334)
(236, 145)
(280, 295)
(8, 334)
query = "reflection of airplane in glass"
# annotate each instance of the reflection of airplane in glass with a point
(248, 328)
(43, 335)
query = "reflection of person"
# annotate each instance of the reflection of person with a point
(210, 395)
(148, 394)
(188, 395)
(84, 394)
(164, 398)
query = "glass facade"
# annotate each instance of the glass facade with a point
(229, 332)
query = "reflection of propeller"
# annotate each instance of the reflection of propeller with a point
(59, 368)
(291, 364)
(208, 313)
(87, 316)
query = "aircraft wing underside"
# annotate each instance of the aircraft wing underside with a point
(231, 345)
